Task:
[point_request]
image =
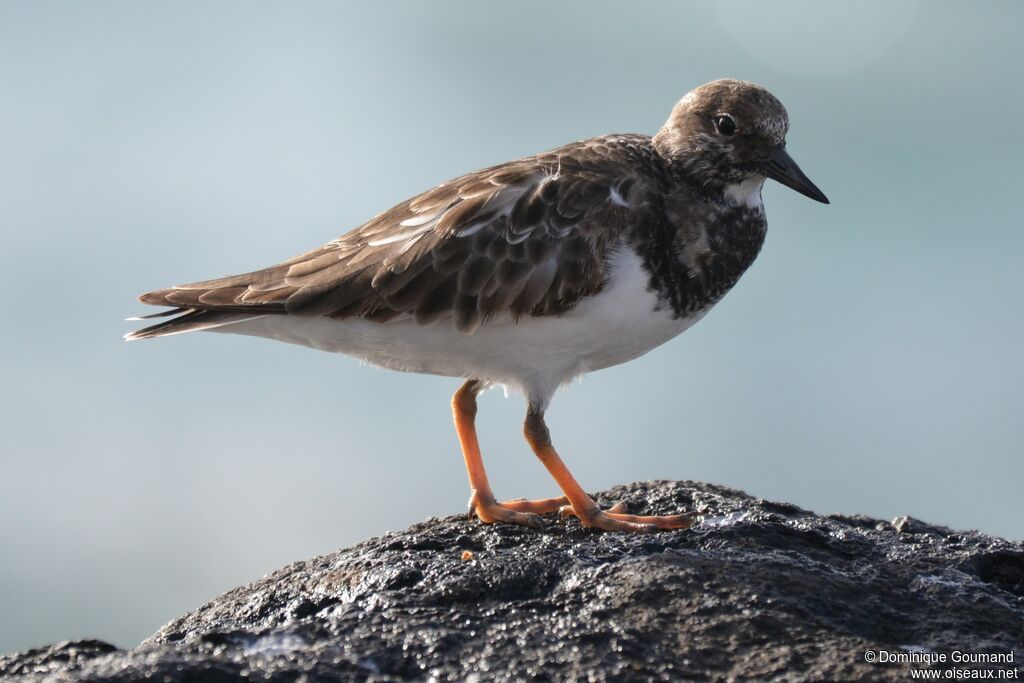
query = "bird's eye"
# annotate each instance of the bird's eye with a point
(725, 125)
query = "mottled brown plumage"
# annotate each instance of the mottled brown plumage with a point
(529, 237)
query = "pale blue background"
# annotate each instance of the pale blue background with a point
(870, 362)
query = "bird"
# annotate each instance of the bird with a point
(531, 273)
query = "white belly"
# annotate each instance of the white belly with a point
(534, 355)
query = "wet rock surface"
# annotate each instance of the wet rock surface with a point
(756, 590)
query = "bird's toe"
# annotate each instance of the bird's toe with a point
(566, 511)
(612, 520)
(537, 507)
(490, 511)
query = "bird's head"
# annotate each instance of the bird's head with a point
(727, 133)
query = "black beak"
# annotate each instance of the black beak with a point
(780, 166)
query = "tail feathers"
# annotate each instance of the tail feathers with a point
(159, 314)
(189, 320)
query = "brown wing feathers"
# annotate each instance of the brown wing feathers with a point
(526, 238)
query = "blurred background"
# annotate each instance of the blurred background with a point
(870, 361)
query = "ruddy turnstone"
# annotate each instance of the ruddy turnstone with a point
(531, 273)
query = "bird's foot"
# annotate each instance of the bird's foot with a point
(616, 519)
(489, 511)
(546, 506)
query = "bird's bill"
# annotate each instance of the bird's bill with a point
(781, 167)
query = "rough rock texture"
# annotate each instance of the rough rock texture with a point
(757, 590)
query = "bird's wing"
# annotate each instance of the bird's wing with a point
(529, 237)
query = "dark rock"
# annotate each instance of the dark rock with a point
(65, 656)
(757, 590)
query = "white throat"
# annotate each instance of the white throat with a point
(747, 193)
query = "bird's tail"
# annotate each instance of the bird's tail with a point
(186, 320)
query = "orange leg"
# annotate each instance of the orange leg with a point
(482, 500)
(582, 505)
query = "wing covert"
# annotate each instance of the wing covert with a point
(525, 238)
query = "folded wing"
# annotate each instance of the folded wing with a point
(529, 237)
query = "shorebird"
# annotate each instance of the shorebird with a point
(531, 273)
